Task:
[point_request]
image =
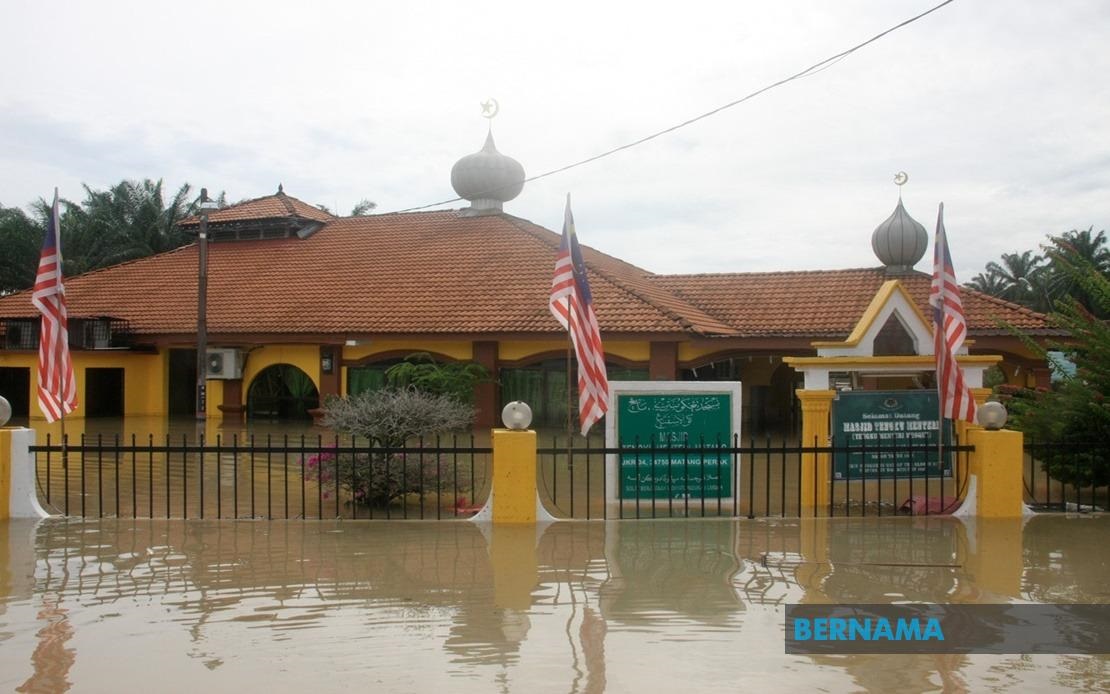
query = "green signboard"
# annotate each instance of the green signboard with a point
(655, 422)
(872, 419)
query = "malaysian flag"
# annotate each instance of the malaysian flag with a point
(57, 388)
(572, 305)
(949, 331)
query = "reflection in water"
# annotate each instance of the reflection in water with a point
(51, 659)
(573, 607)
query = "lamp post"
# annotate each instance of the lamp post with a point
(204, 208)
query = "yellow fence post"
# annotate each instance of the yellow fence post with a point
(816, 405)
(513, 496)
(995, 473)
(5, 472)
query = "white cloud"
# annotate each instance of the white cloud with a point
(1000, 109)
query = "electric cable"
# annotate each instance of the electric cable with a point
(807, 72)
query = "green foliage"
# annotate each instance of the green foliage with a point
(993, 377)
(363, 207)
(1078, 410)
(1039, 281)
(21, 239)
(130, 220)
(423, 373)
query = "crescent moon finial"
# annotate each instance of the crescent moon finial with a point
(900, 178)
(490, 108)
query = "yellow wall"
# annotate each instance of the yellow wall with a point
(688, 352)
(213, 398)
(304, 357)
(456, 349)
(516, 350)
(145, 378)
(5, 478)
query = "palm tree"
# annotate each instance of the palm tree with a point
(1020, 274)
(1083, 248)
(131, 220)
(21, 239)
(989, 283)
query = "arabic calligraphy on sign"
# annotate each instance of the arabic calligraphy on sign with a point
(691, 403)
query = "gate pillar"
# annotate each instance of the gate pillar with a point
(18, 498)
(816, 406)
(513, 497)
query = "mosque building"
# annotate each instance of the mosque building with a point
(302, 305)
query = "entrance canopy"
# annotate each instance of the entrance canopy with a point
(892, 338)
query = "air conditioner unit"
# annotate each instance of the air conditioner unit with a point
(225, 363)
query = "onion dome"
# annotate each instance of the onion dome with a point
(900, 241)
(487, 178)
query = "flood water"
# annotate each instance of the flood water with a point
(618, 606)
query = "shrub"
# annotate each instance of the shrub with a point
(377, 474)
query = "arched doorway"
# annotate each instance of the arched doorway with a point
(282, 391)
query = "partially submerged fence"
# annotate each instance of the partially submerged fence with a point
(302, 477)
(270, 478)
(653, 479)
(1067, 476)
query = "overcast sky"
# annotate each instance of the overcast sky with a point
(999, 108)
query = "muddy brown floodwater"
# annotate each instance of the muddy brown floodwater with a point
(619, 606)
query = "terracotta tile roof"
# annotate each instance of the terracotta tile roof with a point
(276, 206)
(437, 272)
(428, 272)
(825, 303)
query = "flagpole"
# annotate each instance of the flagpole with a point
(570, 403)
(65, 445)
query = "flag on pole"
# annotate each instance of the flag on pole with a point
(57, 388)
(949, 331)
(572, 305)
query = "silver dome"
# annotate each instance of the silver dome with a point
(900, 241)
(487, 178)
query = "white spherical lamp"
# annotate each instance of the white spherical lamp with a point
(5, 411)
(992, 415)
(517, 415)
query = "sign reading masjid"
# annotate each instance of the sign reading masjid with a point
(654, 421)
(870, 420)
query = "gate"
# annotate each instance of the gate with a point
(736, 479)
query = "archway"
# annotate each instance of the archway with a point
(282, 391)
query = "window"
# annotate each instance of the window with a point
(894, 339)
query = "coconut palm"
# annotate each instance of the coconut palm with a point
(1020, 275)
(131, 220)
(1078, 247)
(989, 283)
(21, 239)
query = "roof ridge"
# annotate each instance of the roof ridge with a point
(772, 272)
(990, 298)
(621, 284)
(287, 201)
(280, 195)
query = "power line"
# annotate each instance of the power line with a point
(809, 71)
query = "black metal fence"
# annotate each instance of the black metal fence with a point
(905, 479)
(1065, 476)
(753, 479)
(271, 478)
(313, 477)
